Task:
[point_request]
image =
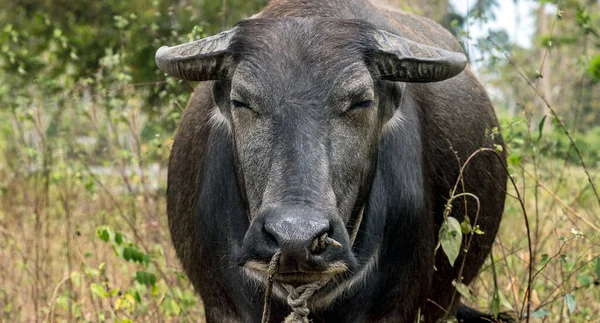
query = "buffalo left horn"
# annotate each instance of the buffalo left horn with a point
(403, 60)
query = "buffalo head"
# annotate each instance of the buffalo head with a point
(306, 101)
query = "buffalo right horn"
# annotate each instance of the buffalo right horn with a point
(201, 60)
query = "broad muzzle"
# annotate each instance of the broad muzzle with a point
(314, 244)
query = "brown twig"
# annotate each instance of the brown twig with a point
(563, 204)
(556, 117)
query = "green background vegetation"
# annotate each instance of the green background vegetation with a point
(87, 120)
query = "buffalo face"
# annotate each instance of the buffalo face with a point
(305, 102)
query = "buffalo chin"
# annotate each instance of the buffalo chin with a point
(299, 278)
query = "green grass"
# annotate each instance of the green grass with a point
(83, 232)
(84, 150)
(84, 235)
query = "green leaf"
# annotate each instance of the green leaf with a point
(545, 259)
(140, 277)
(451, 239)
(541, 313)
(175, 308)
(133, 254)
(505, 301)
(118, 238)
(594, 68)
(570, 302)
(515, 159)
(563, 260)
(463, 290)
(145, 278)
(63, 302)
(127, 253)
(146, 259)
(136, 255)
(138, 297)
(98, 290)
(104, 235)
(76, 278)
(466, 227)
(91, 272)
(541, 127)
(495, 305)
(598, 267)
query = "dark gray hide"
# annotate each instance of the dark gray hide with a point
(318, 112)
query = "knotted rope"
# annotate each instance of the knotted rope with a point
(297, 297)
(298, 300)
(273, 269)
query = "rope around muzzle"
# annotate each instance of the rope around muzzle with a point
(297, 297)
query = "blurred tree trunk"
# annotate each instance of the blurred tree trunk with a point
(546, 71)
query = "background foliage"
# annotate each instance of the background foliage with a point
(86, 124)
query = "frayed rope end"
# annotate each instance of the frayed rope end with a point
(296, 318)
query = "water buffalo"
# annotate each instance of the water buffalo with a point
(335, 117)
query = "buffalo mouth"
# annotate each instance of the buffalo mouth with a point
(303, 244)
(298, 278)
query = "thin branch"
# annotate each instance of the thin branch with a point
(563, 204)
(555, 115)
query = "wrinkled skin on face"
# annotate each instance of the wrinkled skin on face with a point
(305, 102)
(306, 127)
(306, 130)
(310, 122)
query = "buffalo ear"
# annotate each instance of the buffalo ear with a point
(403, 60)
(201, 60)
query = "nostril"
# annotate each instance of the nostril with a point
(320, 243)
(270, 239)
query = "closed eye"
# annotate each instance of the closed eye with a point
(239, 104)
(361, 105)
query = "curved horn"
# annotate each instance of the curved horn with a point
(201, 60)
(403, 60)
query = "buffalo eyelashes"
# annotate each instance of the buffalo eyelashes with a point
(361, 105)
(239, 104)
